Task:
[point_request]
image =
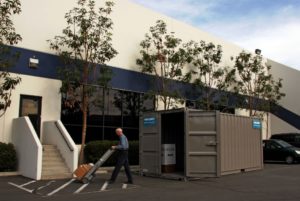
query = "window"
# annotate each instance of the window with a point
(108, 109)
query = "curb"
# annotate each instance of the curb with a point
(5, 174)
(105, 170)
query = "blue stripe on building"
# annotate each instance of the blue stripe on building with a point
(122, 79)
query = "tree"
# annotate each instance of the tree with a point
(256, 83)
(8, 36)
(164, 56)
(85, 46)
(211, 78)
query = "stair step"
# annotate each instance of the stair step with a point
(51, 155)
(49, 147)
(57, 176)
(53, 161)
(54, 166)
(55, 170)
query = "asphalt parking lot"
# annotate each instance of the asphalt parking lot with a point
(277, 182)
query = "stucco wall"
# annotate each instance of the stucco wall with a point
(279, 126)
(291, 101)
(42, 20)
(48, 89)
(291, 78)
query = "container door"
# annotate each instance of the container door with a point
(150, 144)
(201, 142)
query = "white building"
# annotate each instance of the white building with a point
(38, 92)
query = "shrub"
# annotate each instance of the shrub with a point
(8, 157)
(95, 149)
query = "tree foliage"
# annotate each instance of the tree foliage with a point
(8, 37)
(164, 56)
(255, 81)
(209, 76)
(84, 47)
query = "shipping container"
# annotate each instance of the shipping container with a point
(205, 143)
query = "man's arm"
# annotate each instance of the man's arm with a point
(123, 144)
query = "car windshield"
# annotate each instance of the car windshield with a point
(283, 143)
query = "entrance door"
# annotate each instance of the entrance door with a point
(201, 142)
(150, 144)
(31, 106)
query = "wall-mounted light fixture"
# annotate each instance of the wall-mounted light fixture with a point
(33, 62)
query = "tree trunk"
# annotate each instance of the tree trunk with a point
(250, 105)
(84, 122)
(84, 113)
(207, 102)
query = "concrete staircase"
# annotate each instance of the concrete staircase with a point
(54, 166)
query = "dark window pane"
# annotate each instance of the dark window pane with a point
(108, 109)
(147, 102)
(109, 133)
(113, 108)
(131, 108)
(96, 102)
(131, 133)
(75, 132)
(94, 133)
(190, 104)
(95, 110)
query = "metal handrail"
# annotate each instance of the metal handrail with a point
(64, 137)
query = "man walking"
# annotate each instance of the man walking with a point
(122, 151)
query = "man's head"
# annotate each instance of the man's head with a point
(119, 131)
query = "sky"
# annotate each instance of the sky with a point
(273, 26)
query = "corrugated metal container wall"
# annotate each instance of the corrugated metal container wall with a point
(240, 144)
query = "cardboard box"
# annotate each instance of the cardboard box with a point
(168, 168)
(82, 170)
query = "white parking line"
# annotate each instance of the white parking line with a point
(41, 187)
(21, 187)
(103, 188)
(81, 188)
(30, 182)
(61, 187)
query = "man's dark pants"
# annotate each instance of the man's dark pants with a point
(122, 160)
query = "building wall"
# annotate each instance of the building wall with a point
(48, 89)
(280, 126)
(42, 20)
(291, 100)
(290, 83)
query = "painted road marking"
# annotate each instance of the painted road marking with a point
(30, 182)
(103, 188)
(21, 187)
(61, 187)
(41, 187)
(81, 188)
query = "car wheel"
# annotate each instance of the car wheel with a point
(289, 159)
